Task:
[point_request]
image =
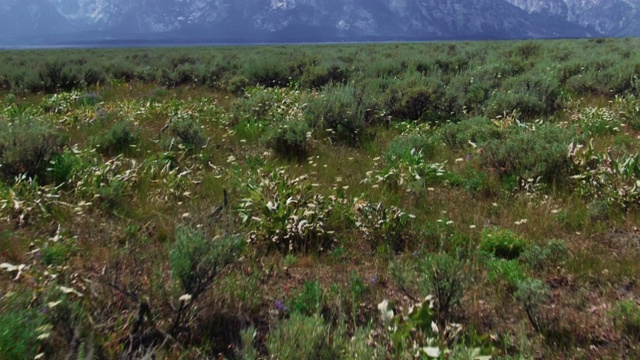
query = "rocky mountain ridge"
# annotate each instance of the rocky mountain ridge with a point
(190, 21)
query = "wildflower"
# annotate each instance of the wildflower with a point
(279, 304)
(385, 313)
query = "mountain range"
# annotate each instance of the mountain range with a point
(66, 22)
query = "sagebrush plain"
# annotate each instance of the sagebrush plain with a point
(459, 200)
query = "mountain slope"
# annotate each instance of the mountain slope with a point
(608, 17)
(64, 21)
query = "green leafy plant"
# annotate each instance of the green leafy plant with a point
(416, 332)
(19, 335)
(626, 318)
(606, 177)
(310, 299)
(502, 243)
(382, 226)
(285, 214)
(117, 140)
(509, 271)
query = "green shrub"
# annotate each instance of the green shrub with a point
(247, 337)
(508, 270)
(236, 84)
(93, 76)
(189, 134)
(502, 243)
(359, 348)
(270, 71)
(531, 95)
(88, 100)
(383, 227)
(19, 334)
(111, 195)
(196, 260)
(55, 75)
(26, 147)
(318, 76)
(626, 318)
(415, 97)
(401, 146)
(532, 293)
(300, 337)
(117, 140)
(477, 130)
(285, 214)
(56, 254)
(447, 281)
(289, 139)
(553, 254)
(62, 167)
(309, 301)
(529, 154)
(340, 111)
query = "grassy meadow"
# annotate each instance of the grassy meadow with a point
(466, 200)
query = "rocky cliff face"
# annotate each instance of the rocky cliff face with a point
(65, 21)
(607, 17)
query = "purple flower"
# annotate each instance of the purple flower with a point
(468, 157)
(280, 305)
(374, 279)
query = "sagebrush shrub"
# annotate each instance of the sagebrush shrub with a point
(55, 75)
(269, 71)
(531, 153)
(26, 147)
(532, 95)
(116, 140)
(340, 111)
(289, 139)
(196, 260)
(447, 281)
(189, 134)
(552, 254)
(316, 77)
(300, 337)
(532, 293)
(468, 133)
(415, 96)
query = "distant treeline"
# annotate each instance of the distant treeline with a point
(402, 80)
